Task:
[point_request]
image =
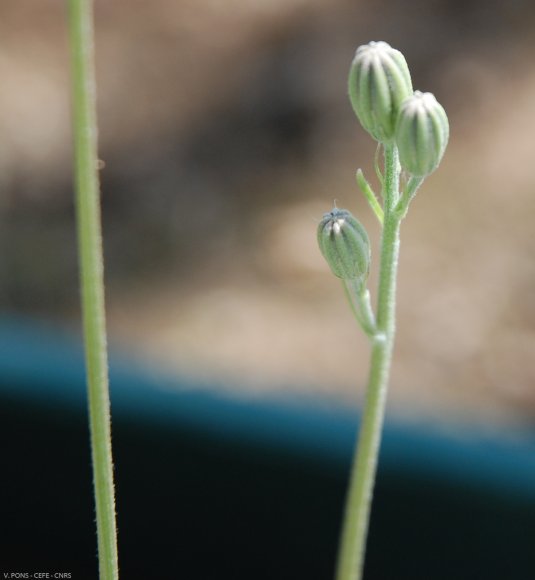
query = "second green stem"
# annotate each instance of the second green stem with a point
(358, 503)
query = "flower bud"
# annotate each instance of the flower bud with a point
(379, 81)
(344, 243)
(422, 134)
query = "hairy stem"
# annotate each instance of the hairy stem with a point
(370, 196)
(407, 196)
(91, 278)
(358, 503)
(358, 297)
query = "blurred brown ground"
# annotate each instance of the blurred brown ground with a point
(226, 133)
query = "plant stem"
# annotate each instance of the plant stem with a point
(358, 503)
(370, 196)
(92, 279)
(408, 194)
(358, 297)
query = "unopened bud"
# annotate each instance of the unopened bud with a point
(422, 134)
(344, 243)
(379, 81)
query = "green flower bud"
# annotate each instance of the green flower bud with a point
(344, 243)
(422, 134)
(379, 81)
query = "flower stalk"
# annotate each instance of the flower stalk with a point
(412, 130)
(92, 278)
(358, 503)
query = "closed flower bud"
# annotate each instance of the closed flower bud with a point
(345, 245)
(379, 81)
(422, 134)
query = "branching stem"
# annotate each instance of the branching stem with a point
(358, 504)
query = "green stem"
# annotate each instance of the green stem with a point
(358, 503)
(353, 304)
(378, 171)
(370, 196)
(407, 196)
(358, 297)
(91, 278)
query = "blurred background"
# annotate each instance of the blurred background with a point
(225, 134)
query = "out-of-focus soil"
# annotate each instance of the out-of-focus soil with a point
(225, 135)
